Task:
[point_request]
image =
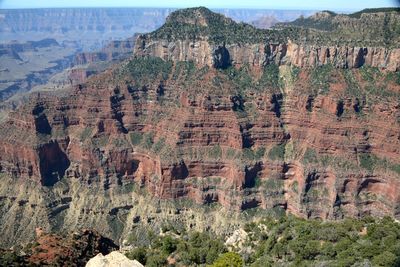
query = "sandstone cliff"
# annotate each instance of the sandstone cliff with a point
(115, 50)
(317, 142)
(289, 45)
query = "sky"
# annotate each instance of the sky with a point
(265, 4)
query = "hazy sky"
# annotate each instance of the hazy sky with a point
(273, 4)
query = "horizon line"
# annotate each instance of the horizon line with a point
(171, 7)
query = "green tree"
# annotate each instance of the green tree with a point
(229, 259)
(385, 259)
(138, 254)
(169, 244)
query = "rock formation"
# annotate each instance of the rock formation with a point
(59, 250)
(114, 259)
(282, 129)
(116, 50)
(286, 46)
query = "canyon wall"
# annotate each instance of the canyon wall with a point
(300, 55)
(215, 127)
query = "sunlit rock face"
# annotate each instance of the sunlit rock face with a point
(295, 128)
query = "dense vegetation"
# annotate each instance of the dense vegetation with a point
(197, 23)
(306, 242)
(187, 248)
(330, 29)
(284, 241)
(382, 29)
(11, 258)
(374, 10)
(149, 69)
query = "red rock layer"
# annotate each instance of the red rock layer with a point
(195, 144)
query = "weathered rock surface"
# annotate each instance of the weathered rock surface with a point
(276, 138)
(114, 259)
(72, 250)
(115, 50)
(290, 53)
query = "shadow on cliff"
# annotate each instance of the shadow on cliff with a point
(222, 58)
(53, 163)
(251, 175)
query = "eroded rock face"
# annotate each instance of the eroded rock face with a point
(346, 57)
(92, 134)
(290, 53)
(116, 50)
(180, 131)
(72, 250)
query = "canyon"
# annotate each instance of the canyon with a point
(201, 127)
(41, 52)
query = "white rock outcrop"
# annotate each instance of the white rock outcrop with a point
(114, 259)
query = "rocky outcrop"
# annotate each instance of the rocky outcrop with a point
(339, 56)
(79, 75)
(73, 250)
(291, 53)
(115, 50)
(114, 259)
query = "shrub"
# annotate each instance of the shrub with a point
(248, 154)
(156, 259)
(229, 259)
(201, 248)
(215, 152)
(367, 161)
(257, 182)
(259, 153)
(138, 254)
(148, 140)
(270, 77)
(386, 259)
(159, 145)
(277, 152)
(320, 79)
(136, 138)
(310, 155)
(169, 244)
(148, 69)
(86, 133)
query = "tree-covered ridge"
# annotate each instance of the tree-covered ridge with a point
(379, 27)
(201, 23)
(374, 10)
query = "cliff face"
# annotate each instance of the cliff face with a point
(290, 53)
(202, 52)
(116, 50)
(319, 142)
(338, 56)
(316, 41)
